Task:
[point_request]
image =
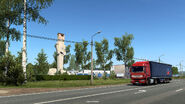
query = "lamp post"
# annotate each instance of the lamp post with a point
(92, 55)
(181, 68)
(160, 58)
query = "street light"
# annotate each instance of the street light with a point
(181, 68)
(160, 58)
(92, 55)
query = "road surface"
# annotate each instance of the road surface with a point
(171, 93)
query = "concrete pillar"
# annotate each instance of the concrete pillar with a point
(60, 49)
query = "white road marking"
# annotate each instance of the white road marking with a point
(92, 101)
(140, 91)
(85, 96)
(179, 90)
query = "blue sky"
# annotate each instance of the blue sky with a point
(158, 26)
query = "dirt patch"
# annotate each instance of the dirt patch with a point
(3, 92)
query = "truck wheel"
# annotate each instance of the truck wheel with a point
(155, 81)
(167, 80)
(147, 82)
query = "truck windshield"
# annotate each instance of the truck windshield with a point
(137, 69)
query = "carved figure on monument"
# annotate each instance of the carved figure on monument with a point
(60, 49)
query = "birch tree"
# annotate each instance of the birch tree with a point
(32, 10)
(10, 14)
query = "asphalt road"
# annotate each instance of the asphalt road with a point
(170, 93)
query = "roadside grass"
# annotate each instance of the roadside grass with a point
(181, 77)
(69, 83)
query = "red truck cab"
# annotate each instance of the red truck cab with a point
(140, 72)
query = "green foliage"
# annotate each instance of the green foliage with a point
(104, 76)
(130, 63)
(2, 48)
(72, 64)
(94, 64)
(78, 54)
(54, 64)
(29, 67)
(104, 55)
(34, 7)
(10, 12)
(67, 56)
(2, 77)
(65, 73)
(62, 77)
(30, 72)
(11, 70)
(15, 75)
(13, 10)
(124, 51)
(82, 56)
(175, 70)
(41, 66)
(7, 61)
(86, 56)
(112, 75)
(19, 57)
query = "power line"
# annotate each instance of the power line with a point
(53, 39)
(48, 38)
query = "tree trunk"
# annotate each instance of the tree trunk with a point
(7, 46)
(7, 38)
(24, 41)
(126, 70)
(105, 74)
(127, 73)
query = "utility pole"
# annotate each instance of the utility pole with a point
(24, 53)
(92, 56)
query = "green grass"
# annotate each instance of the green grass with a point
(70, 83)
(181, 77)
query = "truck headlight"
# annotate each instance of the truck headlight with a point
(137, 76)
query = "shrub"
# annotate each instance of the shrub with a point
(62, 77)
(2, 77)
(104, 76)
(30, 72)
(14, 74)
(112, 75)
(42, 65)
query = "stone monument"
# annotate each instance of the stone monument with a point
(60, 49)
